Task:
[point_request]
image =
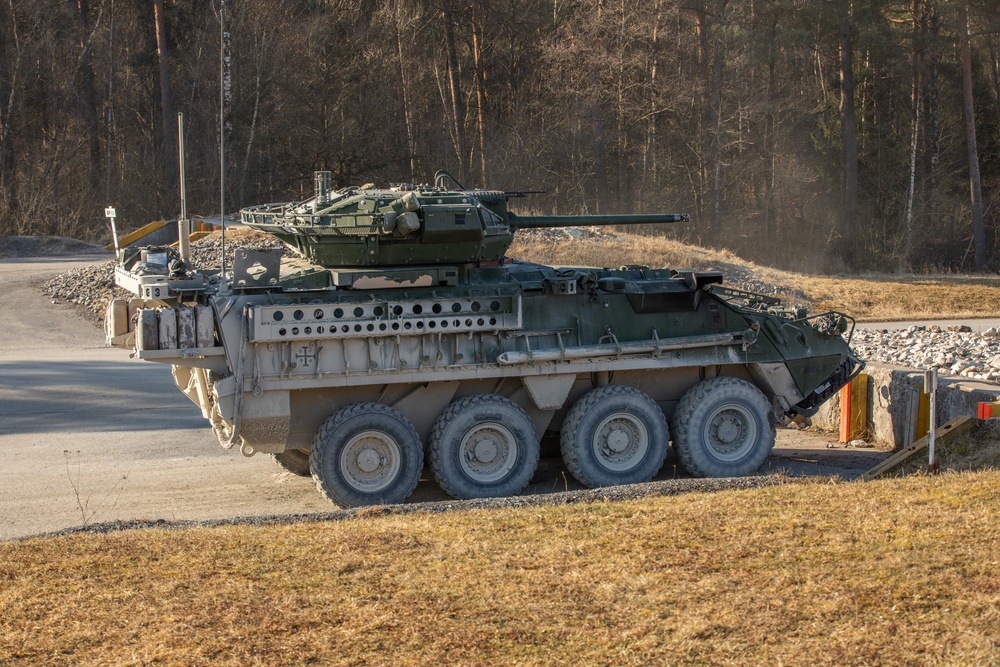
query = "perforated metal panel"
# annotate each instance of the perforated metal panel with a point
(385, 318)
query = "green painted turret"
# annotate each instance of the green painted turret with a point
(407, 225)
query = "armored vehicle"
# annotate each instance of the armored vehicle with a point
(405, 336)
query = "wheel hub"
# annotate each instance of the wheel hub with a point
(731, 432)
(621, 442)
(486, 451)
(618, 440)
(369, 460)
(489, 452)
(728, 431)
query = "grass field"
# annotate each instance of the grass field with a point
(893, 572)
(868, 298)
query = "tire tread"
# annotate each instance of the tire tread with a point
(336, 421)
(684, 413)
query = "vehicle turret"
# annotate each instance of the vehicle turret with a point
(407, 224)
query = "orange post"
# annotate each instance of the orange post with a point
(845, 413)
(854, 409)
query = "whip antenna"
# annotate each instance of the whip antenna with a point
(223, 85)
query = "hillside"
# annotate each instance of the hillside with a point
(871, 298)
(890, 572)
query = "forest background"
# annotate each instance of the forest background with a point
(819, 135)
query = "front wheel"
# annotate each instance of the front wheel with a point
(723, 427)
(367, 454)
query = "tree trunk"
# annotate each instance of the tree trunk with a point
(8, 183)
(711, 61)
(649, 166)
(933, 97)
(770, 145)
(975, 187)
(411, 151)
(477, 55)
(715, 125)
(166, 101)
(849, 134)
(597, 117)
(88, 98)
(915, 102)
(704, 117)
(454, 84)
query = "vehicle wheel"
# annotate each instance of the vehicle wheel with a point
(366, 454)
(614, 435)
(723, 427)
(483, 446)
(295, 461)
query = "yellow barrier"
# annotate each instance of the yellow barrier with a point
(132, 237)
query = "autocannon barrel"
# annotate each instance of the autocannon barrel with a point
(543, 221)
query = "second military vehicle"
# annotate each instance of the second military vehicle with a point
(405, 336)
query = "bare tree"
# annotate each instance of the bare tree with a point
(166, 99)
(8, 91)
(849, 133)
(975, 184)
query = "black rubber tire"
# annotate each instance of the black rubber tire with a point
(382, 438)
(607, 417)
(723, 427)
(502, 426)
(295, 461)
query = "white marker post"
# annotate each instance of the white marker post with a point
(109, 213)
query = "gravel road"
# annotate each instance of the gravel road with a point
(89, 436)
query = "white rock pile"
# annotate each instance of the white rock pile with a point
(955, 350)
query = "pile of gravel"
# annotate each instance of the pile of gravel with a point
(671, 487)
(955, 350)
(92, 287)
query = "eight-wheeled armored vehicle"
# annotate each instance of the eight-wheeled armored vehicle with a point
(404, 336)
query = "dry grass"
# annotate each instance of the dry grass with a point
(977, 450)
(887, 298)
(891, 572)
(867, 298)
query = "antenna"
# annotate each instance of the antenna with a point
(183, 226)
(222, 129)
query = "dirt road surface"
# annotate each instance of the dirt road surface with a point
(88, 435)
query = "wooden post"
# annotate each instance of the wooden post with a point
(854, 409)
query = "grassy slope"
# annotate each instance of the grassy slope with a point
(891, 572)
(868, 298)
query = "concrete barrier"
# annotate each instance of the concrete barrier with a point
(894, 397)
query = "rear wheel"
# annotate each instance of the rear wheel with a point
(723, 427)
(295, 461)
(366, 454)
(614, 435)
(483, 446)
